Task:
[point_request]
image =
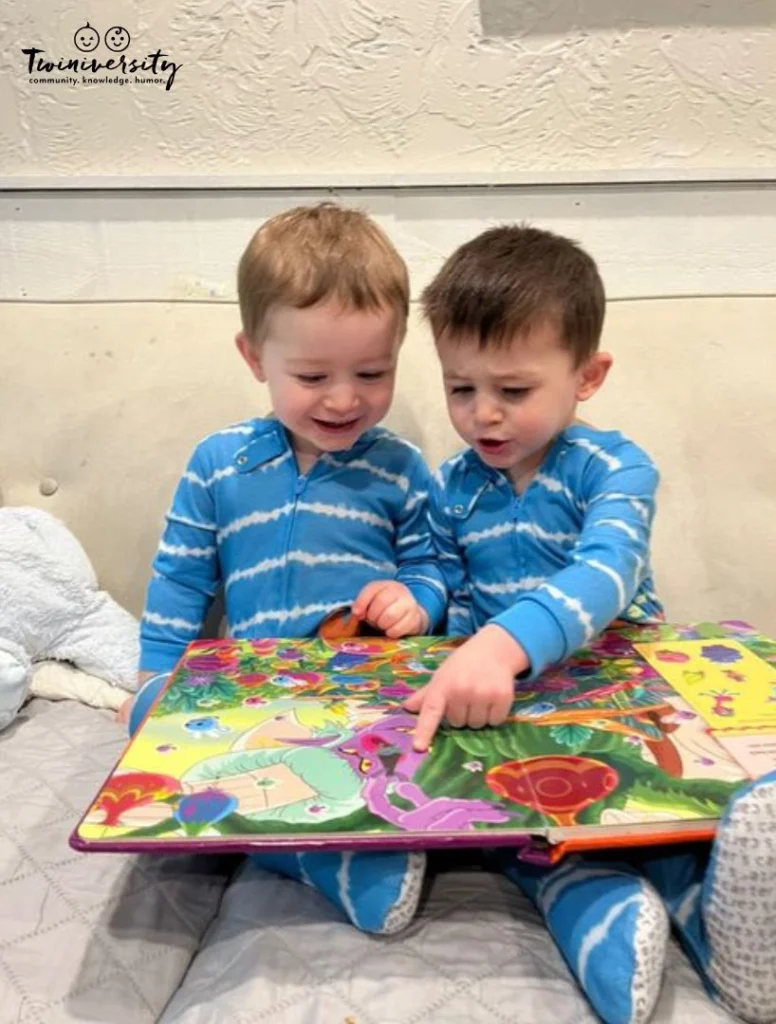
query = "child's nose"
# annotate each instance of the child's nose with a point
(486, 410)
(341, 398)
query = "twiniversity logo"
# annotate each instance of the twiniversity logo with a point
(153, 68)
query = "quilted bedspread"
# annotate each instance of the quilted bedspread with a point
(202, 940)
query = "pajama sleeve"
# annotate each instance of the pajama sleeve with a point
(416, 557)
(185, 572)
(608, 563)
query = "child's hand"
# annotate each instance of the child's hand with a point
(475, 686)
(390, 607)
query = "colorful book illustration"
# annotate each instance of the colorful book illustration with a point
(304, 744)
(731, 686)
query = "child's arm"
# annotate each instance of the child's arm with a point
(609, 562)
(186, 572)
(414, 602)
(418, 567)
(564, 613)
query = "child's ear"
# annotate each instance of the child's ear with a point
(251, 351)
(592, 375)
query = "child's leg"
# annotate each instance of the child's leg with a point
(722, 900)
(610, 926)
(377, 892)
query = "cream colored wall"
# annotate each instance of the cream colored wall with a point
(476, 88)
(106, 401)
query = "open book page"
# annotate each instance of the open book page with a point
(305, 743)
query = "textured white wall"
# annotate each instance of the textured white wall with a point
(474, 87)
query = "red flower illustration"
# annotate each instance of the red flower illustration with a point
(558, 786)
(133, 789)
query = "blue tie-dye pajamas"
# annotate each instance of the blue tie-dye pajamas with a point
(554, 566)
(288, 550)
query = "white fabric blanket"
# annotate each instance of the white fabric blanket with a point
(56, 680)
(52, 610)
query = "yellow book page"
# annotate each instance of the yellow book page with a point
(729, 686)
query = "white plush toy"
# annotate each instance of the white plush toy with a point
(54, 620)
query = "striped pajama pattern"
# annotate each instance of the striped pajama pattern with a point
(287, 549)
(556, 564)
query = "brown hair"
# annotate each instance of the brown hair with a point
(309, 254)
(511, 279)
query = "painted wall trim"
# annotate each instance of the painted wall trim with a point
(168, 245)
(507, 179)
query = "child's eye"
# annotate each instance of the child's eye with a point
(372, 374)
(514, 393)
(461, 389)
(310, 378)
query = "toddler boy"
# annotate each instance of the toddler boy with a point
(314, 508)
(543, 529)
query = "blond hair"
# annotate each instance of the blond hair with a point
(312, 254)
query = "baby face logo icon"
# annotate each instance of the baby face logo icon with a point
(117, 39)
(87, 38)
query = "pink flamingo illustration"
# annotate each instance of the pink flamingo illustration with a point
(383, 754)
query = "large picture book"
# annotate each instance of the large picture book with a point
(304, 744)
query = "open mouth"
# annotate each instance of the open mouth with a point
(339, 427)
(491, 447)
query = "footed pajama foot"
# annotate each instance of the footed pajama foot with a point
(722, 901)
(609, 924)
(378, 892)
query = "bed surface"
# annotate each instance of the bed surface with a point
(197, 940)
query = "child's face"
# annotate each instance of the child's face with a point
(509, 404)
(330, 373)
